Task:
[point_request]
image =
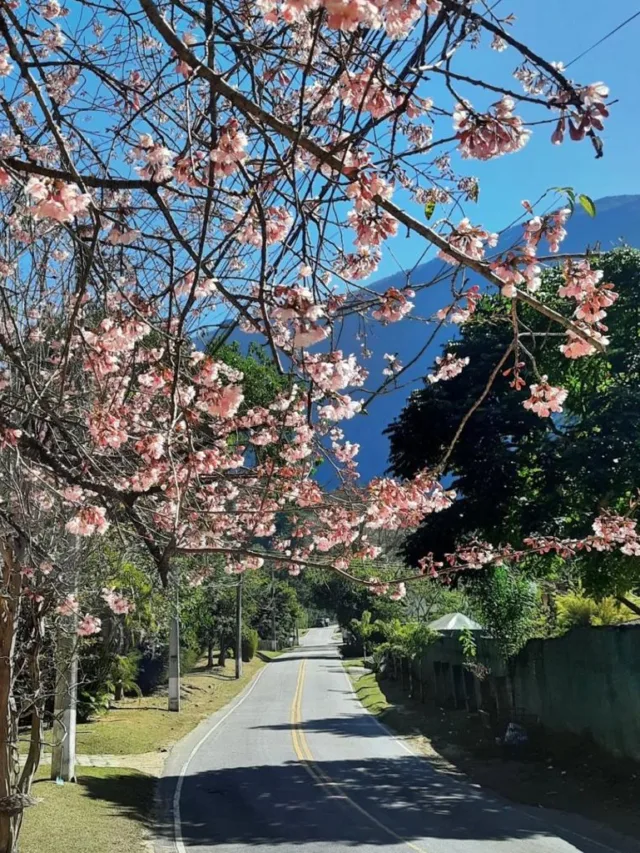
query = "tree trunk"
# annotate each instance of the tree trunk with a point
(10, 805)
(32, 761)
(222, 657)
(210, 654)
(630, 604)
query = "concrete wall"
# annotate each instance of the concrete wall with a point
(586, 683)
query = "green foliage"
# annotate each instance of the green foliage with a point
(404, 640)
(124, 674)
(468, 643)
(517, 474)
(363, 629)
(508, 603)
(578, 610)
(250, 641)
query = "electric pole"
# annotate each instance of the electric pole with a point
(239, 628)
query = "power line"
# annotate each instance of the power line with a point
(604, 38)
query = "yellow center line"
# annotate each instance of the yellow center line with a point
(303, 753)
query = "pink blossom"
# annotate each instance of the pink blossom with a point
(89, 625)
(341, 408)
(333, 372)
(399, 592)
(5, 66)
(394, 306)
(470, 240)
(372, 226)
(448, 366)
(230, 151)
(46, 567)
(456, 313)
(394, 365)
(545, 399)
(90, 520)
(56, 199)
(118, 604)
(69, 606)
(551, 227)
(157, 160)
(487, 135)
(122, 236)
(50, 10)
(9, 437)
(307, 334)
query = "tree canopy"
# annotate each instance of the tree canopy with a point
(515, 473)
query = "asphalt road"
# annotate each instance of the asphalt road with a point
(296, 763)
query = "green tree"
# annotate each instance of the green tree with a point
(516, 473)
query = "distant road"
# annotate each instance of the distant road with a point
(298, 765)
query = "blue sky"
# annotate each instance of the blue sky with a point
(557, 30)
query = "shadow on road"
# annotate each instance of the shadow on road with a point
(349, 726)
(277, 805)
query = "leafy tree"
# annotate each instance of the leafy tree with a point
(515, 473)
(364, 629)
(509, 608)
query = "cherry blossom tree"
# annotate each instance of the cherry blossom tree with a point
(170, 170)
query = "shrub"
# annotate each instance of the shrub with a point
(249, 644)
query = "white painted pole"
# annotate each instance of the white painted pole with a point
(63, 754)
(174, 665)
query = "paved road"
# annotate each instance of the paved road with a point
(299, 764)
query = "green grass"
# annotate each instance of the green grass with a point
(145, 725)
(107, 811)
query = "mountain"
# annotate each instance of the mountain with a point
(617, 223)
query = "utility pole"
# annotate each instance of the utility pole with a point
(63, 751)
(174, 654)
(239, 628)
(274, 634)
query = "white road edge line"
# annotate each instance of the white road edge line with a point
(415, 754)
(177, 824)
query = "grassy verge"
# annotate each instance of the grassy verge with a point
(144, 725)
(108, 811)
(554, 775)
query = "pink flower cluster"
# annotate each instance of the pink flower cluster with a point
(89, 625)
(616, 530)
(551, 227)
(515, 269)
(486, 135)
(396, 16)
(157, 159)
(249, 227)
(456, 313)
(231, 150)
(588, 118)
(593, 298)
(469, 239)
(448, 367)
(89, 521)
(56, 200)
(545, 399)
(394, 305)
(118, 604)
(297, 306)
(364, 92)
(333, 372)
